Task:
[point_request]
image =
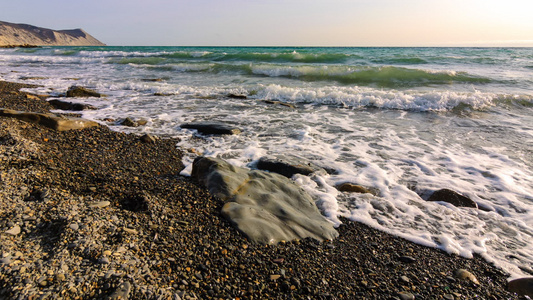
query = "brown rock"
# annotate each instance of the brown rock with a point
(148, 138)
(463, 274)
(522, 286)
(354, 188)
(452, 197)
(280, 103)
(81, 92)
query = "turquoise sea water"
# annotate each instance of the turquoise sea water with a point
(404, 121)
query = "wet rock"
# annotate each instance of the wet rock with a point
(129, 122)
(452, 197)
(148, 139)
(49, 120)
(65, 105)
(286, 166)
(354, 188)
(81, 92)
(267, 207)
(237, 96)
(463, 274)
(522, 286)
(212, 128)
(289, 105)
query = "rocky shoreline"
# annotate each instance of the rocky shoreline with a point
(98, 214)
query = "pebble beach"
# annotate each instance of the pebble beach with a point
(101, 214)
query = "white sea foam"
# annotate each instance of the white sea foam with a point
(356, 97)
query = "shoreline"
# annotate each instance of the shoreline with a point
(102, 213)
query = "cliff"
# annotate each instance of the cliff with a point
(21, 34)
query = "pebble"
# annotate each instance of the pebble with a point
(14, 231)
(407, 259)
(463, 274)
(278, 260)
(448, 297)
(275, 277)
(105, 260)
(99, 204)
(74, 226)
(5, 260)
(406, 296)
(131, 231)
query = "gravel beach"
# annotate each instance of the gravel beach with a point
(98, 214)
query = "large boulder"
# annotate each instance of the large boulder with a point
(212, 128)
(52, 121)
(266, 207)
(452, 197)
(81, 92)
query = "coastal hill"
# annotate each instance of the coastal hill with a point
(24, 34)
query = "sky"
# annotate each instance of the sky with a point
(285, 22)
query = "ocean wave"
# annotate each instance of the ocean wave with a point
(150, 60)
(361, 97)
(401, 60)
(259, 57)
(387, 76)
(286, 57)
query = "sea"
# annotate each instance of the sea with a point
(403, 122)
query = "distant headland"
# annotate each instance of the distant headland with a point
(24, 35)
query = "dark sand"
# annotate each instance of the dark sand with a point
(163, 234)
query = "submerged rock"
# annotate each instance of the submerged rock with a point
(212, 128)
(49, 120)
(354, 188)
(81, 92)
(129, 122)
(237, 96)
(289, 105)
(266, 207)
(452, 197)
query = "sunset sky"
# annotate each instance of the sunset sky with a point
(286, 22)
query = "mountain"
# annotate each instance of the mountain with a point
(24, 34)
